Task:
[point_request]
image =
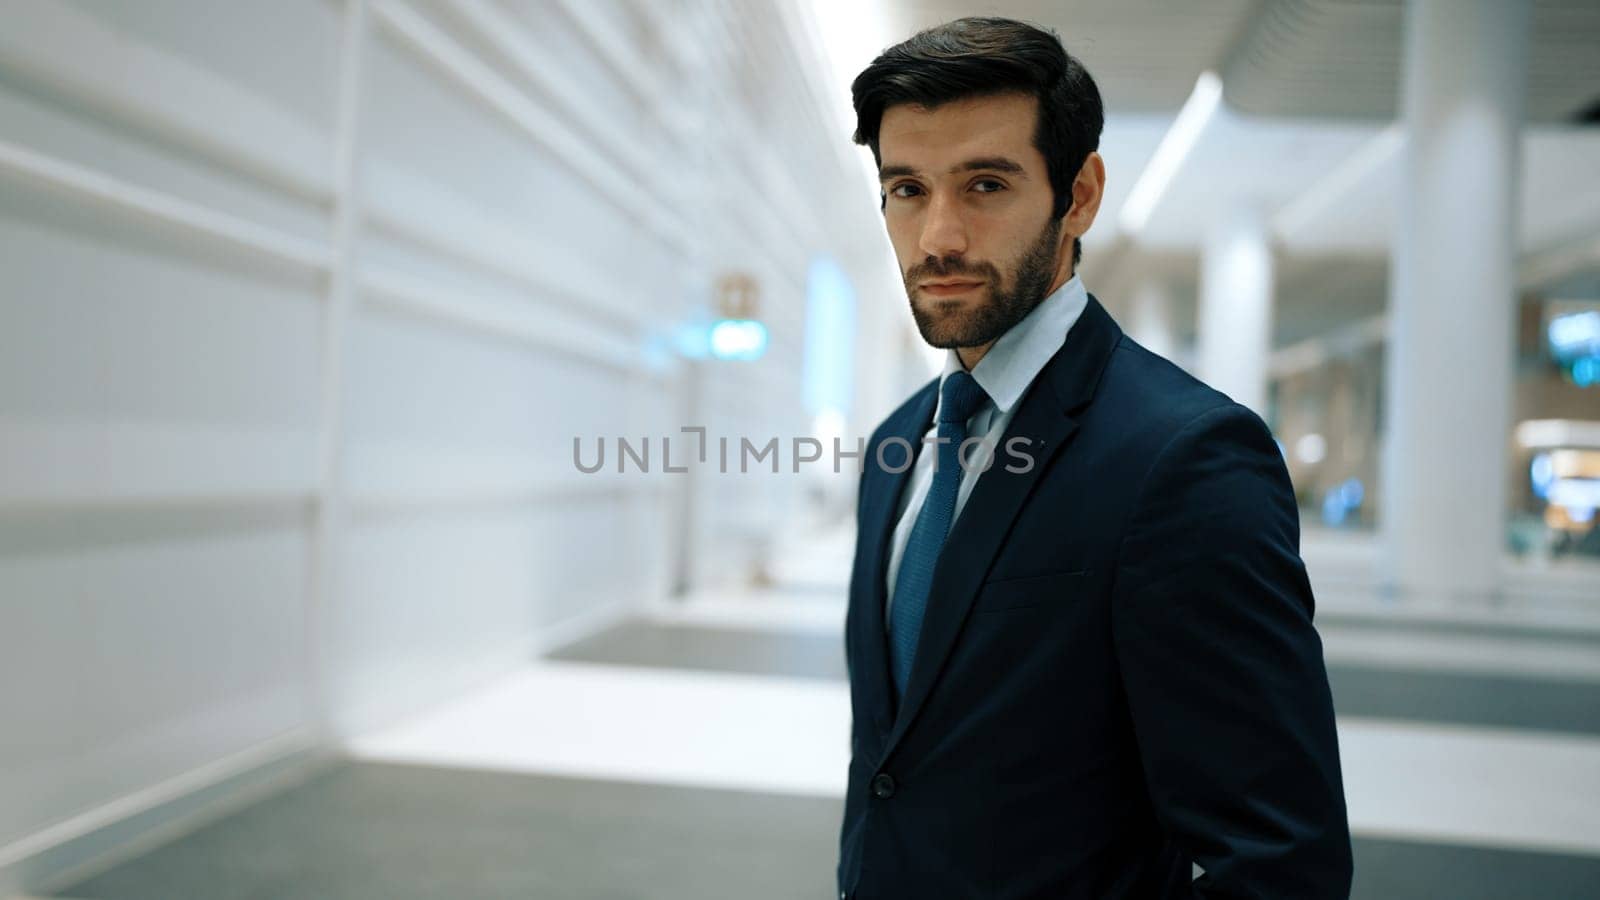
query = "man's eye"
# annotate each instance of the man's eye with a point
(905, 190)
(988, 186)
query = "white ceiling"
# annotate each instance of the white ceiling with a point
(1342, 59)
(1265, 163)
(1297, 172)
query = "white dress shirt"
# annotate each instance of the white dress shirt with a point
(1004, 373)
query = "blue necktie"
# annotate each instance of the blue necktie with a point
(960, 397)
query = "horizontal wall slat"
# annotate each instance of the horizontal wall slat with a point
(533, 325)
(494, 27)
(47, 464)
(410, 207)
(392, 289)
(611, 49)
(160, 93)
(373, 506)
(92, 521)
(484, 84)
(178, 215)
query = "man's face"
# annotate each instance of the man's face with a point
(968, 205)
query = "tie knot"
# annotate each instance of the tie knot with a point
(959, 398)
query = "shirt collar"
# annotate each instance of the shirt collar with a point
(1020, 354)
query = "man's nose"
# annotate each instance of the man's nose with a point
(944, 232)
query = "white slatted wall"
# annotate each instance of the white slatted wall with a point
(301, 305)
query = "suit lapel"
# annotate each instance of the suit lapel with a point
(1045, 419)
(884, 489)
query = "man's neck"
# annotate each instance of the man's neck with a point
(971, 356)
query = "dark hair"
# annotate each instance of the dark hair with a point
(977, 57)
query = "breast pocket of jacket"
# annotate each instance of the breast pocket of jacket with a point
(1032, 591)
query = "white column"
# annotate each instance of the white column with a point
(1151, 322)
(1449, 366)
(328, 520)
(1235, 321)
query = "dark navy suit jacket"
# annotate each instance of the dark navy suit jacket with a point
(1117, 675)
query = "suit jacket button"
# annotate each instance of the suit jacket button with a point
(882, 786)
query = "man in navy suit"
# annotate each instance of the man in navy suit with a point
(1081, 655)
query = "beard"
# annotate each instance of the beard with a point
(1001, 309)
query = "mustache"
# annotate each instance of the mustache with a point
(949, 268)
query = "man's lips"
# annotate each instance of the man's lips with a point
(948, 288)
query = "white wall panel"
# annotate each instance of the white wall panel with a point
(31, 119)
(114, 82)
(149, 646)
(436, 597)
(285, 52)
(432, 409)
(131, 367)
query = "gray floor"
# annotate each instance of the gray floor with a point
(391, 832)
(1402, 870)
(365, 830)
(368, 830)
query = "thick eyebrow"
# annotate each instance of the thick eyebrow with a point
(984, 163)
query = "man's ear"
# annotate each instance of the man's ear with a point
(1088, 189)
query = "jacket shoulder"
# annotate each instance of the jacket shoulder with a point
(1157, 399)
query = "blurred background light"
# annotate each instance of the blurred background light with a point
(830, 342)
(738, 339)
(1169, 156)
(1541, 472)
(1311, 449)
(1586, 371)
(1575, 334)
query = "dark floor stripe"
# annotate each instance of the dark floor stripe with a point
(1500, 701)
(1503, 701)
(715, 649)
(1397, 870)
(1532, 634)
